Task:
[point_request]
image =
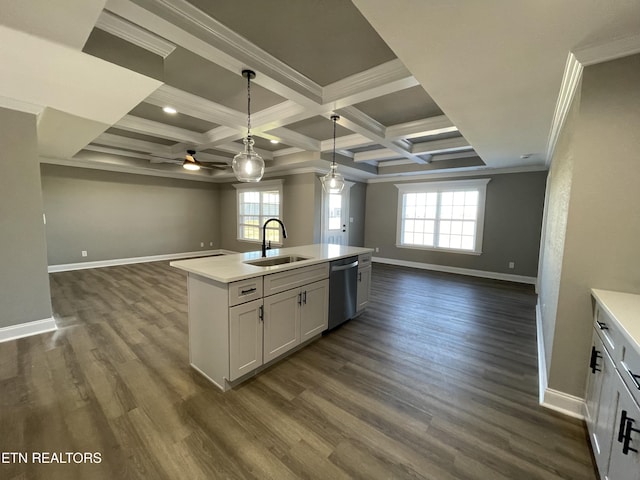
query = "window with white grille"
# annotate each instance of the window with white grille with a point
(256, 204)
(442, 215)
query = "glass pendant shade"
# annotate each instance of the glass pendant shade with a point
(333, 182)
(248, 166)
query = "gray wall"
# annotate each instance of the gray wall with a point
(603, 225)
(24, 283)
(555, 228)
(115, 215)
(357, 209)
(513, 218)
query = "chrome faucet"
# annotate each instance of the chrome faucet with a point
(264, 234)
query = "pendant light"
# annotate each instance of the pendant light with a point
(333, 182)
(248, 166)
(190, 162)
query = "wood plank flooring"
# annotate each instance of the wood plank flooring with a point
(437, 380)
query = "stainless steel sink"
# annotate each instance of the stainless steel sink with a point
(271, 261)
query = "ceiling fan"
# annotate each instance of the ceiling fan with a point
(191, 163)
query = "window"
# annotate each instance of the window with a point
(442, 215)
(256, 204)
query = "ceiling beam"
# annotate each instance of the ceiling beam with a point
(421, 128)
(118, 141)
(357, 121)
(376, 155)
(157, 129)
(441, 146)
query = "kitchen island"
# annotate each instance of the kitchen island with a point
(246, 312)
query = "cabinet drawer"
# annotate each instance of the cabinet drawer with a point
(608, 331)
(364, 260)
(629, 368)
(282, 281)
(245, 291)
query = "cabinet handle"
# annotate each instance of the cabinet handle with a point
(627, 437)
(623, 422)
(304, 297)
(602, 326)
(595, 355)
(359, 276)
(633, 376)
(300, 299)
(249, 290)
(261, 313)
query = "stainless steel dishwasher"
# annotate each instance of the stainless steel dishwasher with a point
(343, 284)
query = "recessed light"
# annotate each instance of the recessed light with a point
(169, 110)
(275, 141)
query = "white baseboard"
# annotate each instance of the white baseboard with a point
(27, 329)
(461, 271)
(563, 403)
(548, 397)
(128, 261)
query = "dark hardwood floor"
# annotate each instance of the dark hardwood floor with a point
(437, 380)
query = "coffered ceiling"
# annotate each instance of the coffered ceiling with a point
(98, 74)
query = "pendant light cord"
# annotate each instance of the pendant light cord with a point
(333, 161)
(249, 106)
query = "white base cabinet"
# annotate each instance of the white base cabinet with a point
(236, 329)
(612, 413)
(364, 281)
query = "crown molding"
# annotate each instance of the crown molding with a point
(454, 173)
(603, 52)
(576, 61)
(217, 43)
(125, 30)
(570, 81)
(19, 105)
(157, 129)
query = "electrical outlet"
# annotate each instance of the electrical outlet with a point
(202, 244)
(512, 265)
(211, 244)
(377, 250)
(84, 253)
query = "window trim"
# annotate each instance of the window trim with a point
(445, 186)
(263, 186)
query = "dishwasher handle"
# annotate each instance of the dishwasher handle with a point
(338, 268)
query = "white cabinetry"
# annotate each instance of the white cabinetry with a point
(236, 328)
(611, 405)
(364, 281)
(245, 338)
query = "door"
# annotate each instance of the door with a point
(281, 323)
(314, 315)
(335, 216)
(245, 338)
(605, 412)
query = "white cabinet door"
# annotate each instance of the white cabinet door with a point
(605, 411)
(624, 463)
(245, 338)
(314, 315)
(281, 323)
(364, 286)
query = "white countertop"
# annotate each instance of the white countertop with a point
(230, 268)
(625, 308)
